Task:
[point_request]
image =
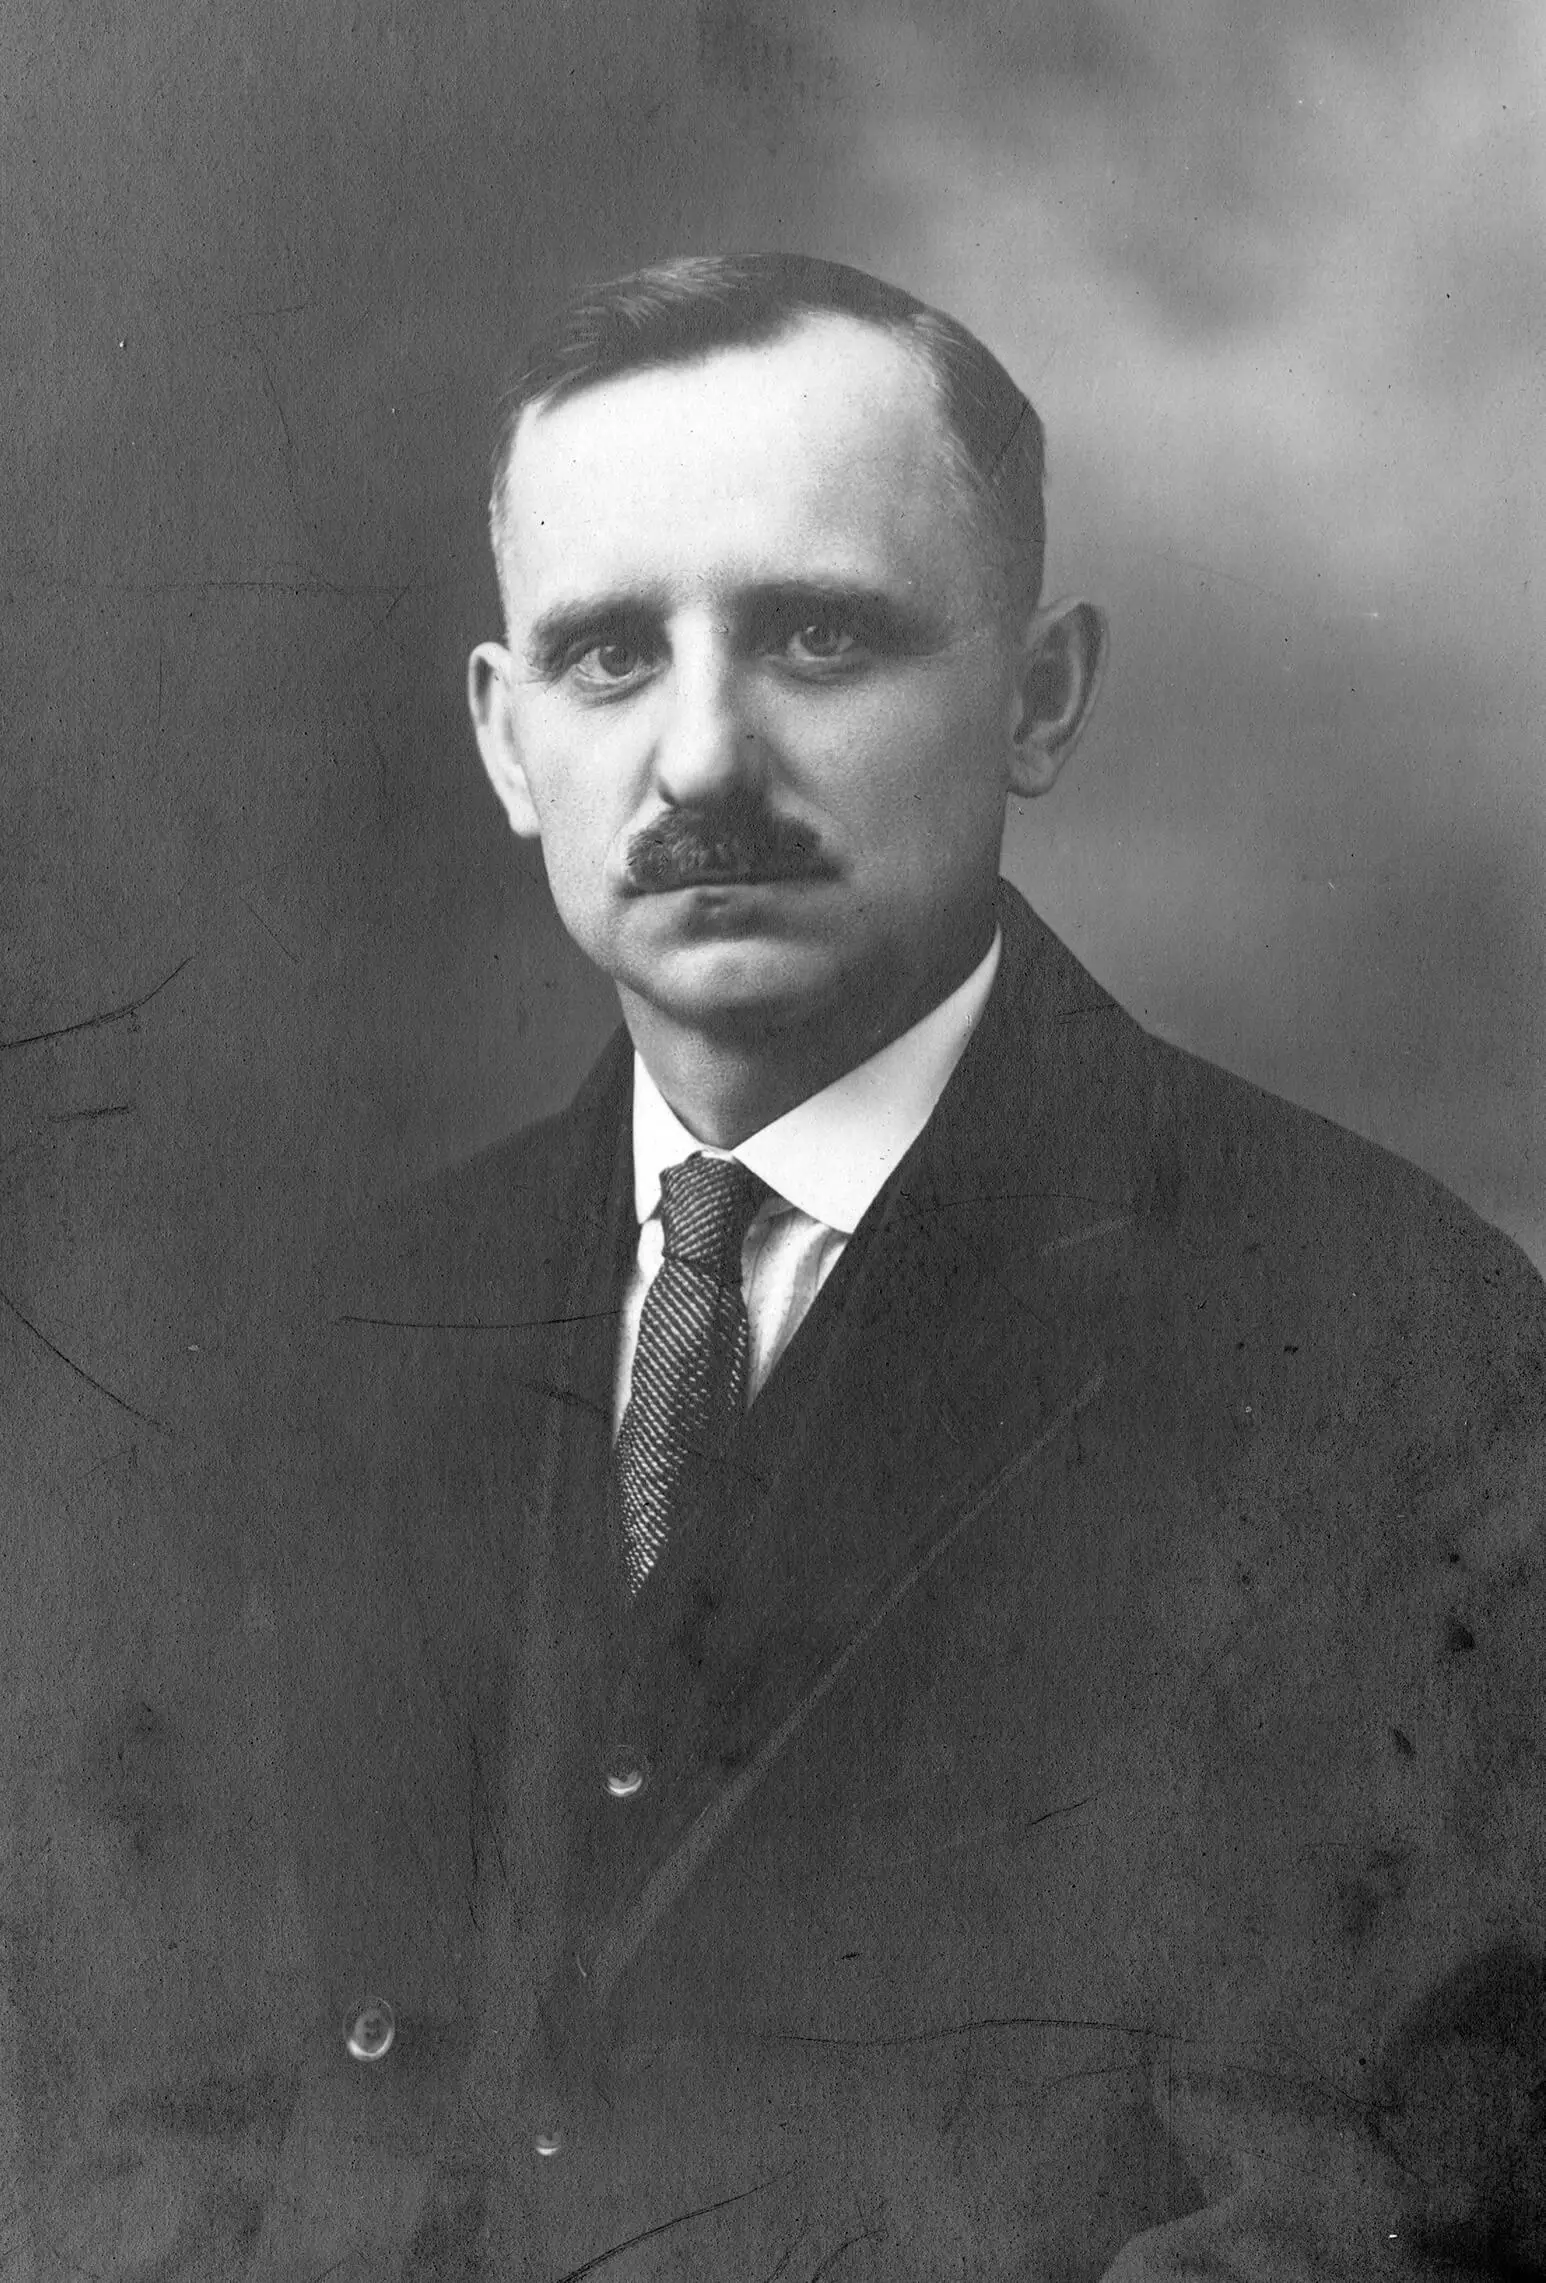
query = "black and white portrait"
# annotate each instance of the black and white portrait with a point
(771, 1016)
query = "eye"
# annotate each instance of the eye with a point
(822, 641)
(609, 665)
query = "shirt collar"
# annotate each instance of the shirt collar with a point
(831, 1155)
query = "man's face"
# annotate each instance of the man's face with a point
(755, 701)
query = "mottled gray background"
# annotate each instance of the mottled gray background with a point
(1273, 276)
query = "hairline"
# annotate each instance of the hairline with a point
(910, 334)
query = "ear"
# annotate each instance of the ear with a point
(1062, 654)
(488, 696)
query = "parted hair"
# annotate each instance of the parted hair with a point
(680, 311)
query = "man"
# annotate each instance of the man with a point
(913, 1634)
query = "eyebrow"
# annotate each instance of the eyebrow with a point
(889, 620)
(553, 635)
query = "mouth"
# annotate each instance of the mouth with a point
(739, 876)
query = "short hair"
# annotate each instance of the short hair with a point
(681, 311)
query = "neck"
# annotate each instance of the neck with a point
(728, 1080)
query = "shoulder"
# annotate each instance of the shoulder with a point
(1319, 1312)
(460, 1241)
(1260, 1231)
(1238, 1185)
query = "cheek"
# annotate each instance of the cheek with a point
(925, 782)
(576, 799)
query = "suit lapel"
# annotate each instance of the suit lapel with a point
(579, 1642)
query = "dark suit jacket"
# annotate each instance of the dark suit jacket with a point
(1093, 1734)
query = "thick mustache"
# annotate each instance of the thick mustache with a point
(685, 846)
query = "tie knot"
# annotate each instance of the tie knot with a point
(707, 1204)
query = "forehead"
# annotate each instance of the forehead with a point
(822, 454)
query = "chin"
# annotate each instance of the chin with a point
(731, 982)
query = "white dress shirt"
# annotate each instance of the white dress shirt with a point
(826, 1161)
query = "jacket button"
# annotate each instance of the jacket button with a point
(370, 2029)
(548, 2143)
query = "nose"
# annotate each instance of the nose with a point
(707, 747)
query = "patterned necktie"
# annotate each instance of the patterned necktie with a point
(690, 1366)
